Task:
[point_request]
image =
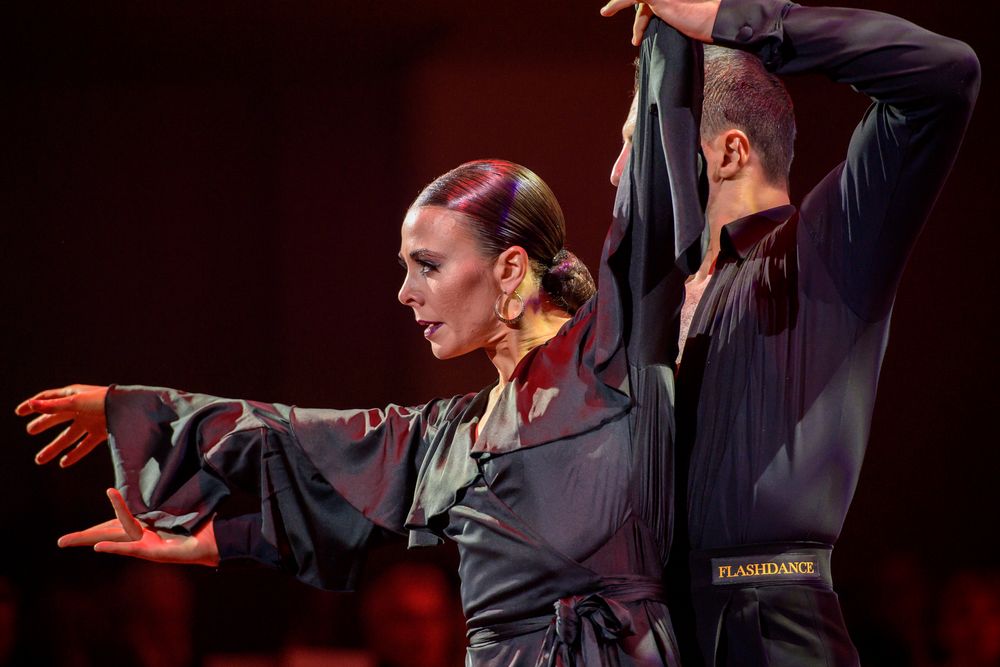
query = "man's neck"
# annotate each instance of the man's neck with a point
(731, 201)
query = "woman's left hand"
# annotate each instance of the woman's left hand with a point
(81, 407)
(694, 18)
(127, 536)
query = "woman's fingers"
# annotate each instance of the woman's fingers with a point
(25, 407)
(52, 400)
(62, 441)
(163, 548)
(109, 530)
(45, 422)
(642, 18)
(124, 528)
(65, 440)
(616, 6)
(50, 406)
(129, 523)
(82, 449)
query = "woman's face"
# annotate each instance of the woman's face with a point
(449, 285)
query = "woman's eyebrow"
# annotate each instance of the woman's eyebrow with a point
(419, 254)
(424, 253)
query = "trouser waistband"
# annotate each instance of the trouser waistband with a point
(762, 565)
(605, 602)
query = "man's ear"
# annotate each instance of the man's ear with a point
(511, 267)
(735, 153)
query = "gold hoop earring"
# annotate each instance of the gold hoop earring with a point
(499, 308)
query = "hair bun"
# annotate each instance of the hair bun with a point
(568, 281)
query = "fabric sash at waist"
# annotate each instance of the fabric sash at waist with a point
(762, 565)
(593, 617)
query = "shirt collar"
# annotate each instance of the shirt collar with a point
(742, 234)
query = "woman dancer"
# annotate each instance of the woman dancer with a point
(555, 481)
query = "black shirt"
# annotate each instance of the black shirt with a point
(778, 379)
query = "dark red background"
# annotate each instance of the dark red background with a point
(208, 195)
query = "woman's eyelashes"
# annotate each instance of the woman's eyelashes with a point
(425, 266)
(424, 263)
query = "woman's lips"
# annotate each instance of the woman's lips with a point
(430, 327)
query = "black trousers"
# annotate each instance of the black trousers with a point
(754, 608)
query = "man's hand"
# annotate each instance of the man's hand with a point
(79, 404)
(127, 536)
(694, 18)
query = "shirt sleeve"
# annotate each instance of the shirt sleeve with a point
(654, 243)
(323, 495)
(866, 214)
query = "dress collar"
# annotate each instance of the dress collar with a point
(741, 235)
(558, 390)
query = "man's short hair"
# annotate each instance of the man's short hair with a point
(741, 94)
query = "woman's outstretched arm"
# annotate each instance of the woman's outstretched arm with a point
(327, 481)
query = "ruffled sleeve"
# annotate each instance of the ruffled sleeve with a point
(327, 480)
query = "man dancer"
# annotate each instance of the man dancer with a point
(785, 324)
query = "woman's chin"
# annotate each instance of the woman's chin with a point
(441, 351)
(447, 351)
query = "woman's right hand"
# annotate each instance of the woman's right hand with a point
(82, 406)
(127, 536)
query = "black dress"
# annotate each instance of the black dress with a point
(561, 507)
